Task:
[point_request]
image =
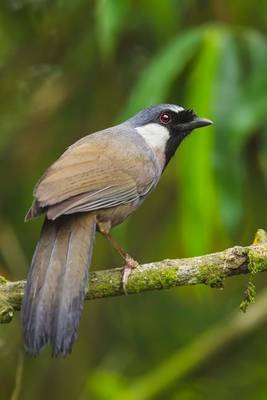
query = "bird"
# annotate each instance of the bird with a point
(95, 185)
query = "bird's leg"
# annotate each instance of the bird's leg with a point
(130, 263)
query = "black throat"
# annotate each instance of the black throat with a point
(172, 145)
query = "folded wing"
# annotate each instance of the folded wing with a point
(96, 172)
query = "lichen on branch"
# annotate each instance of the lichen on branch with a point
(210, 269)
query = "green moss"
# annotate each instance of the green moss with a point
(260, 237)
(162, 278)
(6, 310)
(168, 277)
(104, 284)
(212, 276)
(255, 265)
(2, 280)
(6, 314)
(249, 296)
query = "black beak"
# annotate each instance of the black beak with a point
(196, 122)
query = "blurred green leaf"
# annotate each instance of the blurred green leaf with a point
(104, 385)
(155, 82)
(263, 155)
(198, 197)
(110, 17)
(185, 360)
(240, 107)
(162, 15)
(251, 110)
(228, 163)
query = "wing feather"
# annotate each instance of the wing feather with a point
(100, 171)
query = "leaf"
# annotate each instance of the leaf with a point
(240, 107)
(104, 384)
(263, 155)
(198, 197)
(229, 166)
(163, 17)
(155, 82)
(110, 18)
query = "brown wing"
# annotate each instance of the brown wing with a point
(100, 171)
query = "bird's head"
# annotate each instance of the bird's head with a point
(164, 126)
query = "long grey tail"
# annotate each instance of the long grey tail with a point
(57, 282)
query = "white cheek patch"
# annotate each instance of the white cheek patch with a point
(155, 135)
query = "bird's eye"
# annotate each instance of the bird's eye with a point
(165, 118)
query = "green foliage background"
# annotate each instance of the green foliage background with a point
(72, 67)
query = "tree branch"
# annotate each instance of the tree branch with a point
(210, 269)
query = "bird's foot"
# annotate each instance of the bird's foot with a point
(129, 266)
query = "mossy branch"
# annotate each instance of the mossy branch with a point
(210, 269)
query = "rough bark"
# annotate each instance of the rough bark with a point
(210, 269)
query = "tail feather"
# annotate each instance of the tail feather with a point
(69, 300)
(56, 283)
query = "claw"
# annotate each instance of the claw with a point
(130, 265)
